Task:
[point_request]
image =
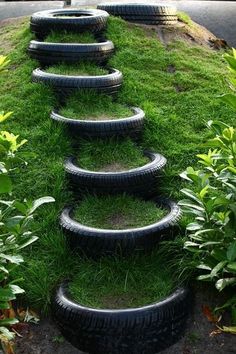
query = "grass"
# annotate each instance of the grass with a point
(92, 106)
(66, 37)
(182, 16)
(175, 127)
(121, 283)
(115, 155)
(83, 69)
(117, 212)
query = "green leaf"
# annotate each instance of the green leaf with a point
(193, 226)
(204, 277)
(217, 268)
(16, 289)
(222, 283)
(12, 259)
(231, 251)
(232, 266)
(229, 99)
(4, 305)
(8, 321)
(6, 294)
(38, 202)
(6, 333)
(27, 243)
(192, 195)
(5, 184)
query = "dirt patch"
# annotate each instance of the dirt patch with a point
(100, 117)
(6, 27)
(171, 69)
(119, 221)
(46, 339)
(192, 34)
(117, 301)
(114, 167)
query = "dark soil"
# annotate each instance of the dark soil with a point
(46, 339)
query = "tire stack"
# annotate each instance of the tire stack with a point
(143, 330)
(142, 14)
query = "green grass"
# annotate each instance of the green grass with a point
(175, 127)
(84, 69)
(92, 106)
(116, 283)
(115, 155)
(66, 37)
(117, 212)
(182, 16)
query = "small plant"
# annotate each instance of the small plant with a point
(15, 233)
(230, 98)
(212, 203)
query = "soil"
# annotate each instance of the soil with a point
(194, 34)
(114, 167)
(46, 339)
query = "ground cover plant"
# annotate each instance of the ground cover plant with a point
(84, 69)
(65, 37)
(122, 283)
(92, 106)
(16, 217)
(177, 105)
(115, 155)
(211, 202)
(117, 212)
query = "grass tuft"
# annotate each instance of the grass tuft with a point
(67, 37)
(119, 283)
(117, 212)
(84, 69)
(92, 106)
(115, 155)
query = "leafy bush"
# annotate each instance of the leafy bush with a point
(15, 234)
(212, 203)
(231, 98)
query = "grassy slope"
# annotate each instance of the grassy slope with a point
(174, 126)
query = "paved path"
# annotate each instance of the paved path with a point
(17, 9)
(217, 16)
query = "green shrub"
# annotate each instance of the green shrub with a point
(230, 98)
(15, 234)
(212, 203)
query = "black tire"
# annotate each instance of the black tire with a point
(53, 53)
(144, 330)
(75, 20)
(64, 84)
(117, 9)
(141, 181)
(154, 23)
(130, 126)
(94, 243)
(150, 18)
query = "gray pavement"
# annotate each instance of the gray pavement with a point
(17, 9)
(217, 16)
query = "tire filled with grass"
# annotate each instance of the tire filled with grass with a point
(66, 78)
(130, 311)
(71, 48)
(122, 225)
(99, 116)
(114, 167)
(72, 20)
